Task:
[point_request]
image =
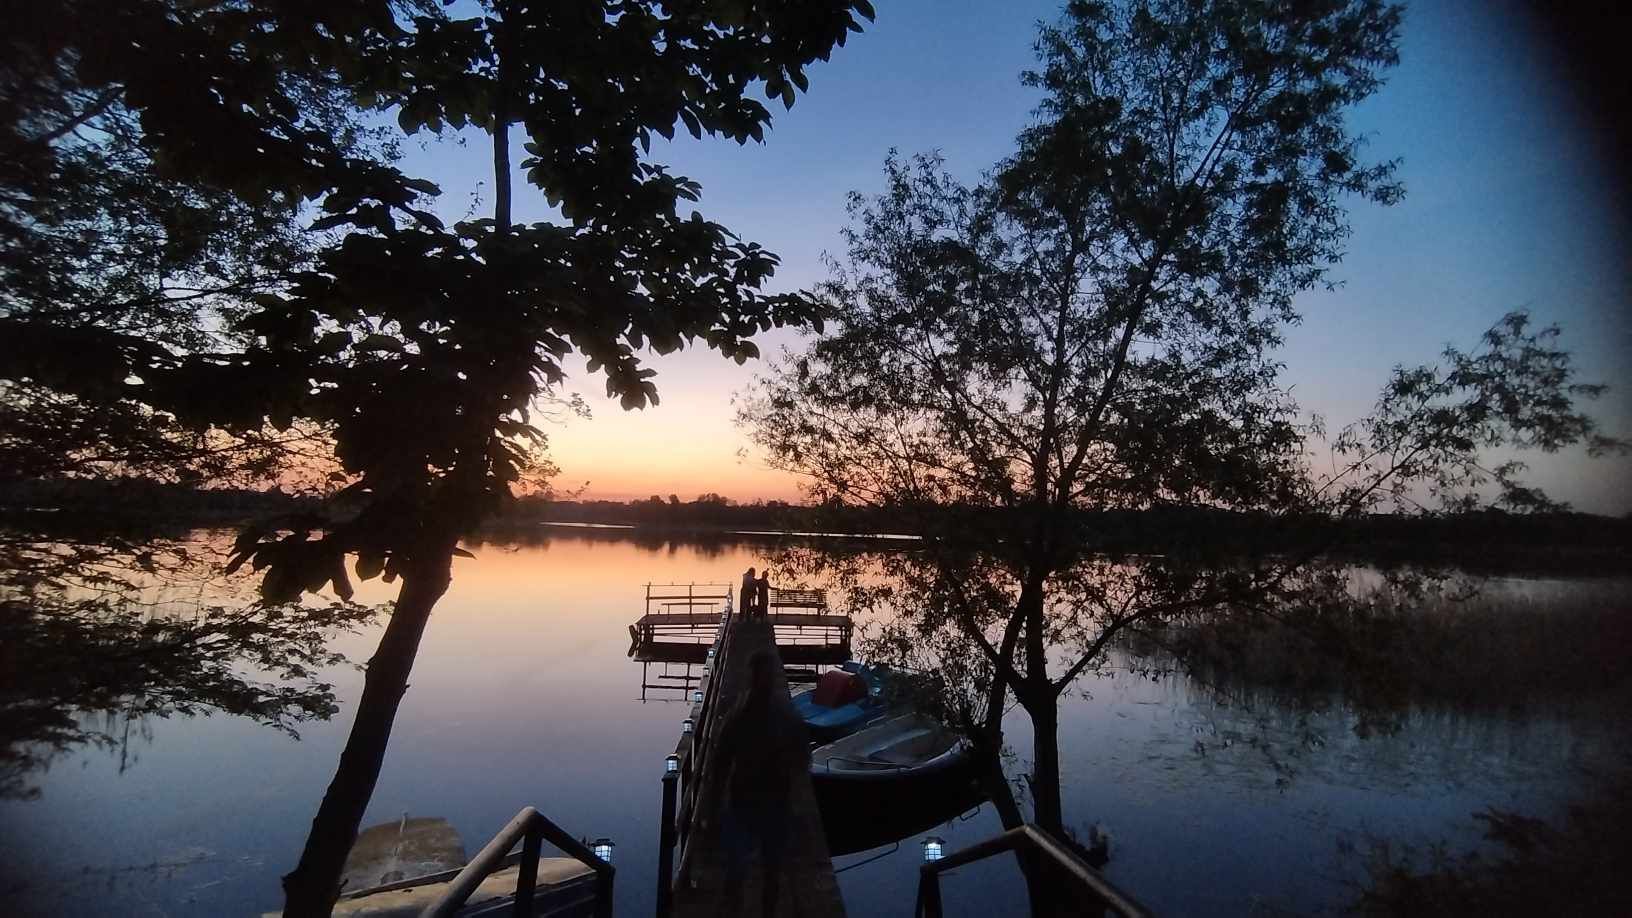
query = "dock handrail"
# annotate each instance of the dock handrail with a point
(1027, 837)
(694, 751)
(531, 828)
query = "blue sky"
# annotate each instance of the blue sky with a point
(1510, 202)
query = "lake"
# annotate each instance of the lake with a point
(523, 694)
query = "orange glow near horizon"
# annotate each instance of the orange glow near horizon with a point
(686, 445)
(690, 444)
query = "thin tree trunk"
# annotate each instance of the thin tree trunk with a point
(311, 888)
(989, 761)
(1041, 702)
(503, 90)
(988, 751)
(988, 737)
(1045, 769)
(501, 167)
(1049, 815)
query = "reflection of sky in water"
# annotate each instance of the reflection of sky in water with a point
(523, 695)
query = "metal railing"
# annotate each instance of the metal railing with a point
(532, 829)
(1025, 838)
(680, 802)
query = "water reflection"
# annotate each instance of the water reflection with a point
(524, 694)
(678, 679)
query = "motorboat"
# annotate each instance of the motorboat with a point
(898, 776)
(902, 749)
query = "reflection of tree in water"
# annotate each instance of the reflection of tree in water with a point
(1355, 678)
(94, 641)
(1262, 737)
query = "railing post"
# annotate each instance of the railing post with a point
(929, 893)
(527, 880)
(665, 847)
(603, 894)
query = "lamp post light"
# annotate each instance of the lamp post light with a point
(697, 696)
(602, 847)
(933, 848)
(686, 726)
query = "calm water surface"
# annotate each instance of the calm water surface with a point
(523, 694)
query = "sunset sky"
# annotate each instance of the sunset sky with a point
(1511, 202)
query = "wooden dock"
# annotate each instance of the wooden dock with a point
(690, 822)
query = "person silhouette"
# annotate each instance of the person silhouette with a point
(761, 749)
(762, 595)
(745, 599)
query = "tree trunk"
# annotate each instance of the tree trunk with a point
(989, 762)
(988, 751)
(1047, 810)
(1037, 696)
(987, 737)
(312, 887)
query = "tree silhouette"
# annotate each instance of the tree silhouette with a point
(106, 253)
(1092, 328)
(419, 348)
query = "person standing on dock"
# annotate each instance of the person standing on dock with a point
(762, 747)
(762, 595)
(745, 602)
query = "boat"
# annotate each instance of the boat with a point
(843, 701)
(900, 751)
(890, 780)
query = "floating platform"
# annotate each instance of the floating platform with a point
(680, 620)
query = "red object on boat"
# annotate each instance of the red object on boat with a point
(838, 687)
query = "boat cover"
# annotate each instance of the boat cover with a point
(837, 687)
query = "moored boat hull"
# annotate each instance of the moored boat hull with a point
(891, 780)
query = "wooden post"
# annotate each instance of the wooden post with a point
(665, 847)
(603, 894)
(929, 894)
(528, 880)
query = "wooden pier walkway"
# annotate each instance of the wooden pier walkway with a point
(699, 887)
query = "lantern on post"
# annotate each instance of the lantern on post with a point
(934, 847)
(602, 847)
(671, 764)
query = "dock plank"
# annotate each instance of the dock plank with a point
(808, 886)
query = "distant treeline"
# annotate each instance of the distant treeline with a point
(1482, 539)
(1491, 540)
(125, 501)
(707, 511)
